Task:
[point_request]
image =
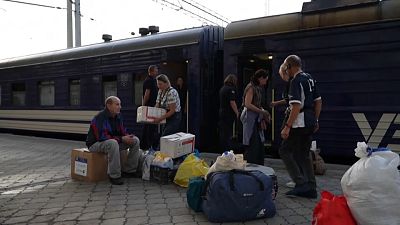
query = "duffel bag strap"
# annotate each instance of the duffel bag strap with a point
(244, 172)
(208, 180)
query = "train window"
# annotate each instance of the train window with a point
(139, 79)
(109, 86)
(74, 92)
(46, 93)
(18, 94)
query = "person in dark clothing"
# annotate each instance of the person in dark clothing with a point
(228, 112)
(305, 107)
(149, 134)
(254, 118)
(285, 95)
(284, 102)
(107, 134)
(182, 91)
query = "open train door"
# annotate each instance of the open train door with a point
(177, 73)
(247, 66)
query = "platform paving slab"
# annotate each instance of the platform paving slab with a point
(36, 188)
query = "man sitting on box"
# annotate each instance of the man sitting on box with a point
(107, 134)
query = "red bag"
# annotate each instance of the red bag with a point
(332, 210)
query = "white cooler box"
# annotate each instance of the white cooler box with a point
(176, 145)
(146, 114)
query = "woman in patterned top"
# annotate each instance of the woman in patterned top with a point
(168, 99)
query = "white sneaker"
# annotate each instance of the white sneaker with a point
(290, 184)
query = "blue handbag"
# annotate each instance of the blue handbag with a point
(237, 196)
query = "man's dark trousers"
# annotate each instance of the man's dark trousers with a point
(295, 153)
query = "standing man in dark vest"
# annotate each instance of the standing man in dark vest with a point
(305, 107)
(150, 91)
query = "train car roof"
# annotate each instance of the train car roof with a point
(366, 12)
(160, 40)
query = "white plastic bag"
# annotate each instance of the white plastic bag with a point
(163, 160)
(372, 186)
(149, 157)
(228, 161)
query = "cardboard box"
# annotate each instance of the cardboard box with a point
(147, 114)
(176, 145)
(88, 166)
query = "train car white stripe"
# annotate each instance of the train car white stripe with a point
(77, 128)
(78, 115)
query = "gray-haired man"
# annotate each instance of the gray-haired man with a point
(107, 134)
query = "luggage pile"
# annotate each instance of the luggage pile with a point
(161, 166)
(234, 191)
(231, 190)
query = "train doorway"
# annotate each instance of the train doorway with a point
(247, 66)
(177, 74)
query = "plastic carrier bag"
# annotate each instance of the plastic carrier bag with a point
(163, 160)
(372, 186)
(192, 166)
(228, 161)
(332, 210)
(318, 162)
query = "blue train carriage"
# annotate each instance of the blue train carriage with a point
(57, 93)
(351, 47)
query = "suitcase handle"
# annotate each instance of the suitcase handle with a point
(244, 172)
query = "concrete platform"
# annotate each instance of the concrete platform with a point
(36, 188)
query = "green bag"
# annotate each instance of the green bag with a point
(195, 193)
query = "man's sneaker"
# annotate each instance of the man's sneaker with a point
(312, 193)
(116, 181)
(297, 192)
(291, 184)
(130, 175)
(292, 193)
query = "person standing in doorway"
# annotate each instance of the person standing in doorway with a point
(254, 118)
(168, 99)
(182, 91)
(285, 95)
(284, 102)
(228, 112)
(149, 137)
(305, 107)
